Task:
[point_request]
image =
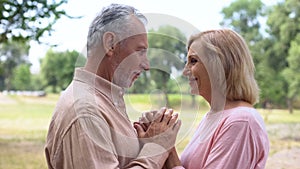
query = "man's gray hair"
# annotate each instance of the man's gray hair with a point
(113, 18)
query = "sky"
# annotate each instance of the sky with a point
(70, 34)
(189, 16)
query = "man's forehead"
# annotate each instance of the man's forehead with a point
(131, 35)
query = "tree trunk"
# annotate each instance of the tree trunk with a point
(290, 105)
(54, 89)
(166, 99)
(8, 83)
(193, 100)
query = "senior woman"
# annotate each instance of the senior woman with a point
(232, 134)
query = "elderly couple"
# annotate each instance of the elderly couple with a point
(90, 128)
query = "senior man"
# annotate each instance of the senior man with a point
(90, 128)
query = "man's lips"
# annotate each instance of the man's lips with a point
(136, 75)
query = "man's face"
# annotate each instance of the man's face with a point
(131, 59)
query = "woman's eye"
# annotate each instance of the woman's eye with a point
(193, 60)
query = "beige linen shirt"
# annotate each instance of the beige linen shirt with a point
(90, 129)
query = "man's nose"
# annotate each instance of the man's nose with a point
(145, 64)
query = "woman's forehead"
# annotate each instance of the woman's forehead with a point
(192, 52)
(195, 48)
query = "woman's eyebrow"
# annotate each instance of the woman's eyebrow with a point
(192, 55)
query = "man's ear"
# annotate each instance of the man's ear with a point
(109, 39)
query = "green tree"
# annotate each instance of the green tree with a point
(71, 59)
(28, 19)
(37, 82)
(245, 17)
(57, 68)
(292, 72)
(166, 48)
(2, 77)
(50, 67)
(283, 26)
(12, 54)
(21, 79)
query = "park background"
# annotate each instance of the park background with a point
(30, 90)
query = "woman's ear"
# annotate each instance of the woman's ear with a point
(108, 43)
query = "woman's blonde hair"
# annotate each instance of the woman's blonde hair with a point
(231, 50)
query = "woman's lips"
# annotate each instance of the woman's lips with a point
(192, 79)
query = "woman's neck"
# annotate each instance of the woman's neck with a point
(238, 103)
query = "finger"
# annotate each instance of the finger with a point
(144, 117)
(139, 129)
(159, 115)
(150, 115)
(167, 116)
(177, 126)
(173, 119)
(145, 126)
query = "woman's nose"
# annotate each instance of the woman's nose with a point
(186, 71)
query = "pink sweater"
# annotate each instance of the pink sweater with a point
(231, 139)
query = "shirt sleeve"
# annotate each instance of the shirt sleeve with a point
(88, 144)
(233, 147)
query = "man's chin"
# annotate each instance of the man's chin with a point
(127, 84)
(131, 84)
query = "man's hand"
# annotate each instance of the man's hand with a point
(160, 127)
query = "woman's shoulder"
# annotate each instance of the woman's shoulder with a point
(248, 115)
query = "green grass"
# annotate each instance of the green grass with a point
(280, 116)
(23, 126)
(24, 122)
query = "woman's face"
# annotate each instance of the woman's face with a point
(197, 74)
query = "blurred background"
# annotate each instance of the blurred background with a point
(42, 41)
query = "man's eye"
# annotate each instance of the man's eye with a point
(142, 51)
(193, 61)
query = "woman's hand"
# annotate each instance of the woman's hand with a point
(159, 127)
(173, 160)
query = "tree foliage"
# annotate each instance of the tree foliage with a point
(12, 54)
(284, 27)
(243, 16)
(21, 79)
(275, 50)
(166, 53)
(167, 47)
(292, 72)
(57, 68)
(23, 20)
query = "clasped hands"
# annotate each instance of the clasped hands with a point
(160, 127)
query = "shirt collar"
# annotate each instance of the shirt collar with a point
(112, 91)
